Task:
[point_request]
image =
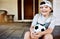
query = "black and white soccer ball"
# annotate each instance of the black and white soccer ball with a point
(39, 28)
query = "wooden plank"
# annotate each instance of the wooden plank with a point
(6, 34)
(16, 35)
(2, 33)
(3, 29)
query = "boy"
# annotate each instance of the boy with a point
(45, 18)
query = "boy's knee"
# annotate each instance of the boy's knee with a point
(27, 33)
(48, 36)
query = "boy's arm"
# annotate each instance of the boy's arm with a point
(48, 31)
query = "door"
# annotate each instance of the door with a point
(28, 11)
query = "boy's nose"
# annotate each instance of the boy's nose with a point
(44, 8)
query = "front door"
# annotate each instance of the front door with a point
(30, 8)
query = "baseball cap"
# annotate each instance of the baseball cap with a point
(48, 3)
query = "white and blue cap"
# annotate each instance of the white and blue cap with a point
(48, 3)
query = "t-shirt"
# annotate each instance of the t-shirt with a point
(47, 22)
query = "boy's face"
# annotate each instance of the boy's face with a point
(45, 10)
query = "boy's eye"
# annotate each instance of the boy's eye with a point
(41, 7)
(46, 7)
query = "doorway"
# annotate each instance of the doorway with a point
(27, 9)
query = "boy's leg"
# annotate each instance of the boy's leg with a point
(48, 36)
(27, 35)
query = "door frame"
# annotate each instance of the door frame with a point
(22, 12)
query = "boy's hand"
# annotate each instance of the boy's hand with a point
(33, 36)
(38, 34)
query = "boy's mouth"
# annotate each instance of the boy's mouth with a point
(44, 11)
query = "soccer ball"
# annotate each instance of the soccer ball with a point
(39, 28)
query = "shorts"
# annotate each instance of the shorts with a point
(41, 37)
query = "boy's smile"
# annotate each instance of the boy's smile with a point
(45, 10)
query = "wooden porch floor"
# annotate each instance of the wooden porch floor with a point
(17, 30)
(13, 30)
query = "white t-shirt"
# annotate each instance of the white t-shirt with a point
(39, 18)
